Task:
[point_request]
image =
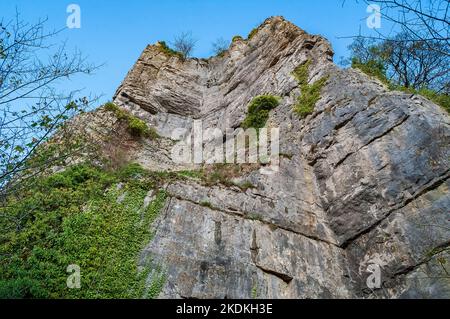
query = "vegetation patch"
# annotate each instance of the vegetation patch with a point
(255, 216)
(252, 33)
(84, 216)
(255, 292)
(168, 50)
(136, 126)
(191, 174)
(206, 204)
(237, 38)
(372, 68)
(225, 173)
(159, 278)
(246, 185)
(215, 174)
(301, 73)
(405, 62)
(440, 99)
(376, 69)
(258, 111)
(310, 93)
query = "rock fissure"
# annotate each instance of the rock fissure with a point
(249, 216)
(285, 277)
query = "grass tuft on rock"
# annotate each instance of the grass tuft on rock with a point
(168, 50)
(310, 93)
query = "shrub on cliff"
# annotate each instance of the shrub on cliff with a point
(258, 111)
(310, 93)
(136, 126)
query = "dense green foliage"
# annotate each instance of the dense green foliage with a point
(136, 126)
(236, 38)
(310, 93)
(84, 216)
(258, 111)
(111, 107)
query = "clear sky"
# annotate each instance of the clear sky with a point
(114, 32)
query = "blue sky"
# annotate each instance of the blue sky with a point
(115, 32)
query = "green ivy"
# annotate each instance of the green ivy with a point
(80, 216)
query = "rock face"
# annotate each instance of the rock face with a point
(362, 188)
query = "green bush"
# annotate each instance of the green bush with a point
(110, 106)
(75, 217)
(252, 33)
(258, 111)
(310, 93)
(136, 126)
(120, 113)
(236, 38)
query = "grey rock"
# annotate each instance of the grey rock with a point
(366, 179)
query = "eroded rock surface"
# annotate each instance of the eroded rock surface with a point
(364, 179)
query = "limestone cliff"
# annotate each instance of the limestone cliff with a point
(363, 180)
